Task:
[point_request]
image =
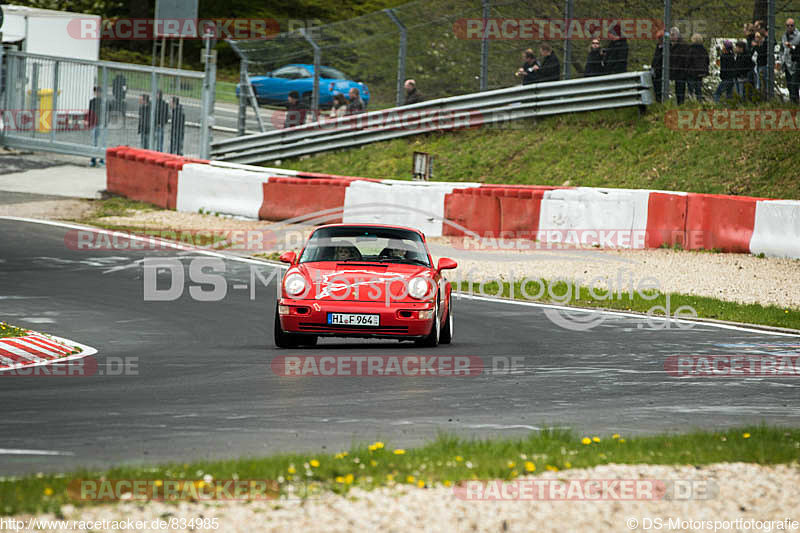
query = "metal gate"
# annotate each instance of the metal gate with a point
(81, 107)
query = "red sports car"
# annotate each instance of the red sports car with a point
(354, 280)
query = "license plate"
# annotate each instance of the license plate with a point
(353, 319)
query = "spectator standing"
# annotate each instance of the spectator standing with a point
(119, 89)
(162, 117)
(678, 63)
(790, 59)
(548, 69)
(339, 108)
(759, 47)
(144, 121)
(727, 71)
(295, 111)
(697, 67)
(657, 64)
(743, 66)
(92, 122)
(356, 104)
(413, 95)
(527, 71)
(176, 133)
(594, 62)
(616, 56)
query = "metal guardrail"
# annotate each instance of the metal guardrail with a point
(468, 110)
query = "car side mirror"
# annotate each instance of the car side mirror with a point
(288, 257)
(446, 264)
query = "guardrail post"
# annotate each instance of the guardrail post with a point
(667, 44)
(568, 40)
(485, 46)
(770, 81)
(401, 55)
(151, 135)
(35, 97)
(241, 123)
(102, 112)
(315, 93)
(209, 84)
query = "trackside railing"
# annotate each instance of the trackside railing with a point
(489, 108)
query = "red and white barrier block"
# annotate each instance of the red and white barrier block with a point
(603, 217)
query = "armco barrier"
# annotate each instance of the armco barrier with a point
(720, 222)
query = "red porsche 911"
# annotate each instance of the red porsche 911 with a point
(370, 281)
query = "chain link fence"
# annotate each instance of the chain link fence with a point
(439, 43)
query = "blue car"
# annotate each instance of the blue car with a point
(274, 87)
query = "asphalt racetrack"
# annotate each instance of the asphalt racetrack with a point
(199, 383)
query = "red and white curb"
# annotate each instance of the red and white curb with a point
(36, 349)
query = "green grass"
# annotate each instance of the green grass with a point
(600, 149)
(446, 461)
(560, 292)
(8, 331)
(117, 206)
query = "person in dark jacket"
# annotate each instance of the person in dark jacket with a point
(295, 111)
(743, 67)
(697, 67)
(162, 117)
(678, 63)
(355, 104)
(548, 69)
(527, 71)
(657, 65)
(759, 47)
(616, 54)
(92, 119)
(176, 133)
(594, 62)
(727, 72)
(143, 128)
(413, 95)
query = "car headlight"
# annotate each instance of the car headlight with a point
(419, 287)
(294, 284)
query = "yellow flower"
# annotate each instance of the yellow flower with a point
(375, 446)
(410, 479)
(621, 440)
(341, 455)
(314, 463)
(399, 451)
(511, 464)
(447, 483)
(586, 440)
(514, 473)
(420, 484)
(291, 469)
(552, 468)
(529, 466)
(615, 436)
(389, 477)
(339, 479)
(459, 458)
(567, 465)
(348, 478)
(373, 462)
(596, 439)
(48, 491)
(746, 435)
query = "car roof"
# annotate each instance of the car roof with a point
(376, 226)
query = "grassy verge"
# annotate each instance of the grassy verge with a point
(615, 148)
(559, 292)
(445, 461)
(8, 331)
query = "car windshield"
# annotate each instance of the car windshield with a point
(375, 245)
(331, 73)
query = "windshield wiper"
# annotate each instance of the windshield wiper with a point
(403, 260)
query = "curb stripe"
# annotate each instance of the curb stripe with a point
(21, 351)
(33, 339)
(47, 352)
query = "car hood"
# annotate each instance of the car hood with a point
(366, 282)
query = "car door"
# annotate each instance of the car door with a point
(280, 83)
